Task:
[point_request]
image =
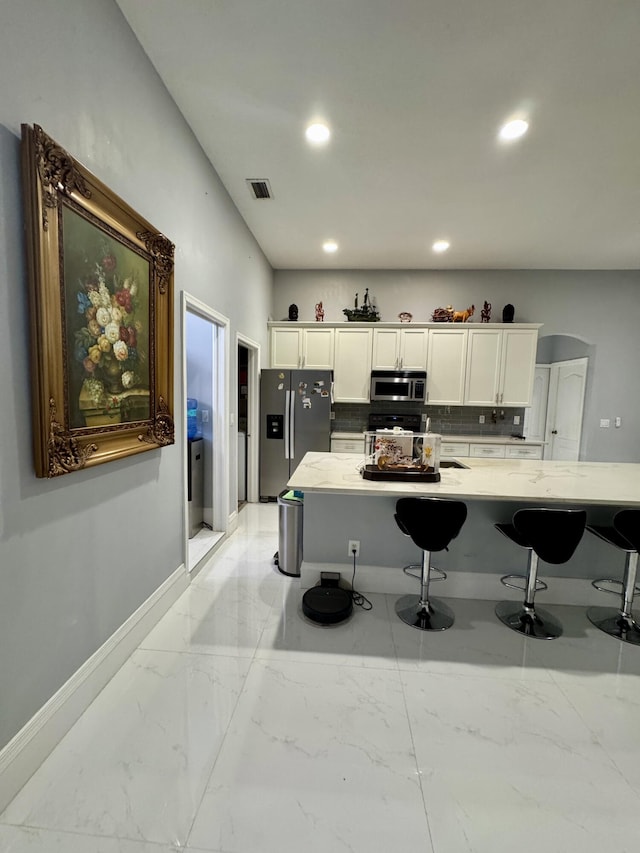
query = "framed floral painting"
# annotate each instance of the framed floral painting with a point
(101, 309)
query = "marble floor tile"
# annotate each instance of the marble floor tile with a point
(17, 839)
(504, 764)
(476, 644)
(225, 619)
(609, 705)
(362, 640)
(585, 650)
(137, 762)
(317, 758)
(239, 726)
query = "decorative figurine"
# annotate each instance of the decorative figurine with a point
(293, 311)
(485, 314)
(507, 313)
(319, 312)
(366, 312)
(405, 317)
(463, 316)
(442, 315)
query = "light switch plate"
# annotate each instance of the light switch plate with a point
(605, 423)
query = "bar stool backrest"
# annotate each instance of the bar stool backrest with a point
(627, 523)
(430, 522)
(554, 534)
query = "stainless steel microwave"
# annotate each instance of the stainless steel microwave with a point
(407, 386)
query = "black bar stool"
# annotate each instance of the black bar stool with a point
(431, 523)
(625, 535)
(551, 535)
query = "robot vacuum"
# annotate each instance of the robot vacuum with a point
(328, 603)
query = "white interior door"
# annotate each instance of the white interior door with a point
(567, 383)
(535, 417)
(253, 414)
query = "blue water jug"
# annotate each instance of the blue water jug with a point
(192, 417)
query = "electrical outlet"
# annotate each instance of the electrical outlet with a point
(424, 417)
(354, 545)
(205, 416)
(618, 422)
(516, 420)
(481, 419)
(332, 416)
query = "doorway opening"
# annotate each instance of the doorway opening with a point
(248, 372)
(206, 439)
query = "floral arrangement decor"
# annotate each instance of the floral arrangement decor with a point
(113, 323)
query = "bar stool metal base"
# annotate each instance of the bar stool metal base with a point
(430, 616)
(538, 623)
(613, 623)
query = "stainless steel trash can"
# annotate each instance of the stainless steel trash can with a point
(289, 533)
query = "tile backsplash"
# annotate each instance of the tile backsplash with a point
(447, 420)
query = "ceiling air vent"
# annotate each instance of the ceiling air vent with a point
(259, 187)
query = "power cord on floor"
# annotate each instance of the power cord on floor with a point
(358, 598)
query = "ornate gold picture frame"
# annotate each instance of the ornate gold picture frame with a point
(101, 316)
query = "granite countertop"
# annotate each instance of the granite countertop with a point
(466, 439)
(611, 483)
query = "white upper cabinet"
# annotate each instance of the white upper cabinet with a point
(285, 347)
(317, 351)
(352, 365)
(295, 347)
(400, 349)
(446, 365)
(517, 366)
(466, 364)
(500, 367)
(413, 349)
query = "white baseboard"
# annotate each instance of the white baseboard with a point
(26, 751)
(392, 580)
(232, 521)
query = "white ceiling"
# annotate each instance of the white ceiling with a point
(415, 92)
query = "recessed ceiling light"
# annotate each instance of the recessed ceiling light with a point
(330, 246)
(441, 246)
(514, 129)
(317, 133)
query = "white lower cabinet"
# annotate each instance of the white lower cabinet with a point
(454, 448)
(527, 451)
(495, 451)
(347, 445)
(490, 451)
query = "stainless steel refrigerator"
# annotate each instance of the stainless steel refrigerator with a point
(295, 410)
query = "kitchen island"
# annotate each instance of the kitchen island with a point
(340, 506)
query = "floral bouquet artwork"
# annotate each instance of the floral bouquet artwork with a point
(107, 327)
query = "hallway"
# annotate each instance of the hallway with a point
(237, 727)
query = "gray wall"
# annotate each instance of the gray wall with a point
(79, 554)
(602, 308)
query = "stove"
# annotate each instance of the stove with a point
(389, 421)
